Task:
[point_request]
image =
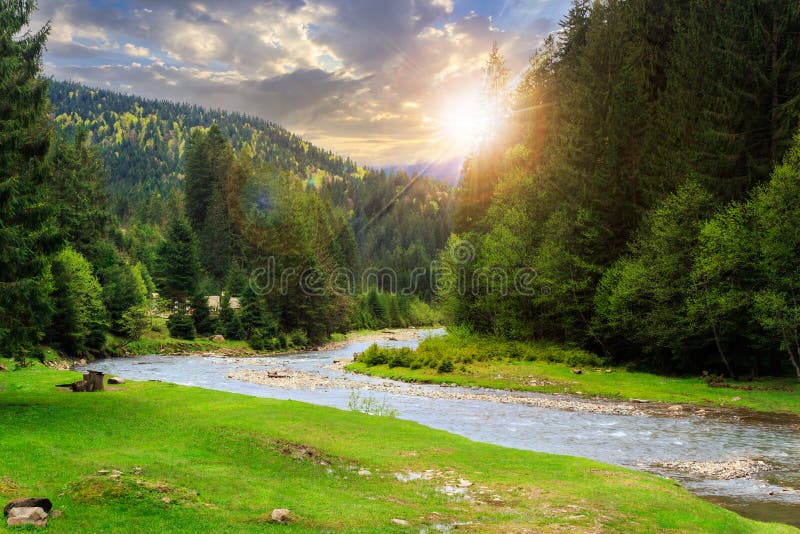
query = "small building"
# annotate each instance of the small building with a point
(215, 301)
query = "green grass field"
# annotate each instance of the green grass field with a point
(195, 460)
(487, 362)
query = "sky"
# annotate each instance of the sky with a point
(387, 82)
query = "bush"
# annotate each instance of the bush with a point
(262, 340)
(298, 338)
(374, 355)
(445, 366)
(181, 325)
(400, 357)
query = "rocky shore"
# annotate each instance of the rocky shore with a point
(725, 470)
(292, 379)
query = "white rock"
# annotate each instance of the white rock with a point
(281, 515)
(27, 516)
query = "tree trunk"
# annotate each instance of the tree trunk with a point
(721, 352)
(92, 381)
(774, 75)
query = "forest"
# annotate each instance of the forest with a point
(116, 209)
(647, 169)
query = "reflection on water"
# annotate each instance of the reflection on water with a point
(628, 440)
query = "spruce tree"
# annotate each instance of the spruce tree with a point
(27, 236)
(178, 265)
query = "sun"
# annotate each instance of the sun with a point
(466, 122)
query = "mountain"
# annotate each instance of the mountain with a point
(398, 220)
(142, 144)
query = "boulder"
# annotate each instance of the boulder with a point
(27, 515)
(218, 339)
(42, 503)
(676, 408)
(3, 368)
(577, 371)
(281, 515)
(401, 522)
(116, 380)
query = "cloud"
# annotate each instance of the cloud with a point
(136, 51)
(366, 78)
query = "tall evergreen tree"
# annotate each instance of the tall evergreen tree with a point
(178, 264)
(27, 236)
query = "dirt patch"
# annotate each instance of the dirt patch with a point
(8, 486)
(300, 452)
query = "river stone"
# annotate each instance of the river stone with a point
(676, 408)
(42, 503)
(364, 472)
(27, 515)
(116, 380)
(401, 522)
(281, 515)
(218, 339)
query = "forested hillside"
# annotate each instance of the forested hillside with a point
(631, 169)
(142, 143)
(109, 199)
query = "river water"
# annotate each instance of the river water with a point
(636, 441)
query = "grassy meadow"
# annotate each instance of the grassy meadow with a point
(193, 460)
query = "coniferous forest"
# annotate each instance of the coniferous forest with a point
(648, 174)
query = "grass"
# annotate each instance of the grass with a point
(156, 340)
(488, 362)
(194, 460)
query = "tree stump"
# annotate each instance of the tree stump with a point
(92, 381)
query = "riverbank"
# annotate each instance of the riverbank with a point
(490, 363)
(172, 458)
(158, 341)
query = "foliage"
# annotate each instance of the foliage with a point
(27, 234)
(463, 347)
(617, 180)
(375, 310)
(181, 325)
(178, 264)
(205, 324)
(369, 405)
(79, 317)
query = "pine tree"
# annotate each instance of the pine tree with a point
(27, 236)
(178, 265)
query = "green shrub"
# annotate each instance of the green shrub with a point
(445, 366)
(299, 338)
(181, 325)
(374, 355)
(262, 340)
(400, 357)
